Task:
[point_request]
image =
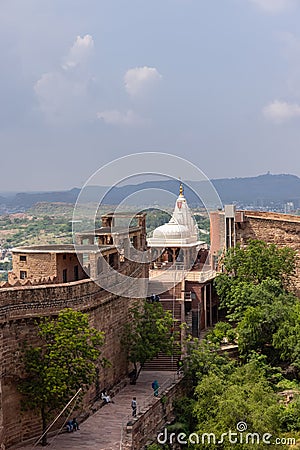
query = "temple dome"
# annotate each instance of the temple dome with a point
(180, 231)
(171, 230)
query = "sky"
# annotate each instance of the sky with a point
(86, 81)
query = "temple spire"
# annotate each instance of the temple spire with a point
(181, 190)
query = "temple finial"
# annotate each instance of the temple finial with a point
(181, 190)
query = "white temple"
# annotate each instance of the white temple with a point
(179, 237)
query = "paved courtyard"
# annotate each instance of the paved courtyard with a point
(103, 430)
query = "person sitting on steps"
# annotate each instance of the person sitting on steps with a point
(75, 424)
(69, 426)
(106, 397)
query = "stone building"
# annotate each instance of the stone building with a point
(230, 226)
(52, 263)
(182, 276)
(110, 243)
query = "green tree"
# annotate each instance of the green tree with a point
(254, 293)
(258, 261)
(242, 395)
(260, 323)
(287, 337)
(64, 361)
(150, 331)
(227, 393)
(250, 266)
(222, 333)
(205, 357)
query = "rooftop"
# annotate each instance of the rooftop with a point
(125, 214)
(108, 230)
(65, 248)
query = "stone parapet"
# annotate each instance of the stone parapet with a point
(150, 422)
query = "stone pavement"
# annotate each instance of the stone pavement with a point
(103, 430)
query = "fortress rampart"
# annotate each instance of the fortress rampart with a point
(21, 307)
(273, 228)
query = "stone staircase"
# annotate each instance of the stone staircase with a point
(160, 287)
(165, 362)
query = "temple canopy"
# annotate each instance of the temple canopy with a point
(180, 231)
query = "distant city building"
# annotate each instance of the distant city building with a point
(289, 207)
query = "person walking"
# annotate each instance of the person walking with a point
(134, 406)
(179, 367)
(155, 387)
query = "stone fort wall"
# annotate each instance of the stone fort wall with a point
(280, 229)
(21, 307)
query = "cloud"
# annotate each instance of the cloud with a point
(273, 6)
(137, 82)
(291, 52)
(79, 52)
(279, 112)
(140, 79)
(56, 93)
(63, 94)
(115, 117)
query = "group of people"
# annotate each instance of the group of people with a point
(154, 298)
(106, 397)
(72, 425)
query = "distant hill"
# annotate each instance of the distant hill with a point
(251, 190)
(263, 187)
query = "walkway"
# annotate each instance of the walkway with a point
(103, 430)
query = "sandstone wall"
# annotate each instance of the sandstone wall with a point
(21, 307)
(37, 265)
(217, 236)
(40, 265)
(280, 229)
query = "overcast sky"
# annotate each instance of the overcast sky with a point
(87, 81)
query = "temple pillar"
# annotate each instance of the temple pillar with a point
(173, 255)
(183, 330)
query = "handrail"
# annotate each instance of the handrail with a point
(56, 418)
